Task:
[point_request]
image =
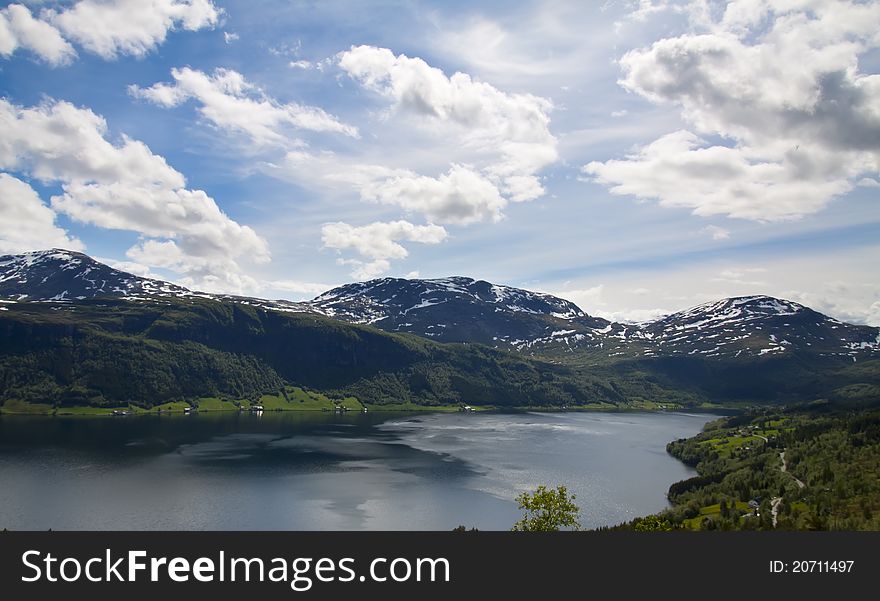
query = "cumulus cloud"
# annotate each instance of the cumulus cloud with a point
(26, 223)
(109, 28)
(780, 83)
(125, 186)
(230, 102)
(510, 130)
(190, 216)
(378, 243)
(58, 141)
(19, 29)
(494, 145)
(459, 196)
(128, 267)
(462, 195)
(853, 303)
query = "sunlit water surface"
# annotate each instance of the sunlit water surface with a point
(318, 471)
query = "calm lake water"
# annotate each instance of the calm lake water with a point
(318, 471)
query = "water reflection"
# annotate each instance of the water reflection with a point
(321, 471)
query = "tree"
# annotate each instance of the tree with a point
(547, 510)
(652, 523)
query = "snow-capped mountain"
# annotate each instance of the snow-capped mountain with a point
(757, 325)
(457, 309)
(461, 309)
(66, 275)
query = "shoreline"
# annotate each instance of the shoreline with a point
(101, 412)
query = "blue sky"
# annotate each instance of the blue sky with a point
(635, 157)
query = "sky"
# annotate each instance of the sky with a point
(635, 157)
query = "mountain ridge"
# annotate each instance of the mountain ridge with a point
(463, 309)
(101, 337)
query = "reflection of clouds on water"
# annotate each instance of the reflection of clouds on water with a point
(324, 472)
(607, 460)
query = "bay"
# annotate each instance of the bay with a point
(319, 471)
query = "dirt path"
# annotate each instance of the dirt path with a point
(776, 501)
(784, 468)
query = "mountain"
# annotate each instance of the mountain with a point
(64, 275)
(457, 309)
(757, 326)
(110, 351)
(59, 274)
(461, 309)
(75, 331)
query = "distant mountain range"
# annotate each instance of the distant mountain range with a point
(76, 332)
(460, 309)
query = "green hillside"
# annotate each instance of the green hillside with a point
(112, 352)
(116, 353)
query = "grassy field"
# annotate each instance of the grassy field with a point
(215, 404)
(88, 410)
(21, 408)
(177, 406)
(725, 445)
(710, 511)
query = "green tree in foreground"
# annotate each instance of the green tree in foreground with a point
(651, 523)
(547, 510)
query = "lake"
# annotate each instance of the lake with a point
(320, 471)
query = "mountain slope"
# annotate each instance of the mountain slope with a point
(460, 309)
(757, 326)
(111, 351)
(59, 274)
(457, 309)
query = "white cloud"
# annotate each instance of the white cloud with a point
(740, 276)
(126, 187)
(300, 64)
(128, 267)
(835, 284)
(377, 242)
(232, 103)
(717, 232)
(585, 298)
(230, 36)
(781, 82)
(310, 289)
(847, 302)
(491, 146)
(643, 9)
(109, 28)
(593, 302)
(462, 195)
(510, 132)
(218, 272)
(189, 216)
(26, 223)
(19, 29)
(58, 141)
(459, 196)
